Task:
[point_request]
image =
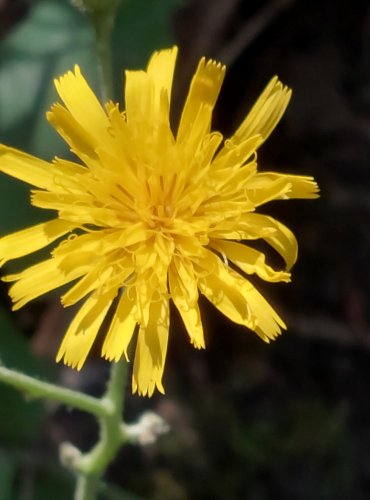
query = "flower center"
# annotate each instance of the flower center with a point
(161, 216)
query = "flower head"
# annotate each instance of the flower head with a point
(147, 215)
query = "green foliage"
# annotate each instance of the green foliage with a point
(19, 418)
(142, 26)
(52, 482)
(49, 42)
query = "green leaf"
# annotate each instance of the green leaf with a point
(50, 41)
(54, 483)
(19, 419)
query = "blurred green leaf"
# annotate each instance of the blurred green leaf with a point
(55, 483)
(142, 26)
(53, 38)
(19, 418)
(15, 209)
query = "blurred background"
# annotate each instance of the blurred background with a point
(248, 421)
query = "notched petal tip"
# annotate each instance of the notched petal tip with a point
(216, 67)
(114, 358)
(266, 112)
(75, 364)
(275, 84)
(147, 389)
(270, 336)
(170, 53)
(197, 345)
(161, 388)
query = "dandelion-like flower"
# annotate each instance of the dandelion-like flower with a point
(148, 216)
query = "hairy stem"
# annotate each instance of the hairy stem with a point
(102, 18)
(86, 488)
(37, 389)
(91, 466)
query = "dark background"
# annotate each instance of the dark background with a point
(248, 421)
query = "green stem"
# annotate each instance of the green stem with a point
(86, 488)
(91, 466)
(36, 389)
(103, 22)
(108, 410)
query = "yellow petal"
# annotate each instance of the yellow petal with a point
(88, 247)
(83, 105)
(256, 226)
(233, 182)
(151, 350)
(72, 258)
(193, 324)
(146, 291)
(139, 98)
(134, 233)
(95, 278)
(26, 168)
(268, 323)
(120, 167)
(77, 208)
(234, 155)
(184, 293)
(196, 116)
(58, 201)
(238, 299)
(31, 239)
(106, 271)
(78, 138)
(40, 279)
(251, 226)
(299, 186)
(161, 68)
(225, 293)
(183, 270)
(260, 193)
(249, 260)
(284, 242)
(192, 321)
(265, 114)
(83, 330)
(69, 175)
(121, 330)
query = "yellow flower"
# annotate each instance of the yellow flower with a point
(153, 216)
